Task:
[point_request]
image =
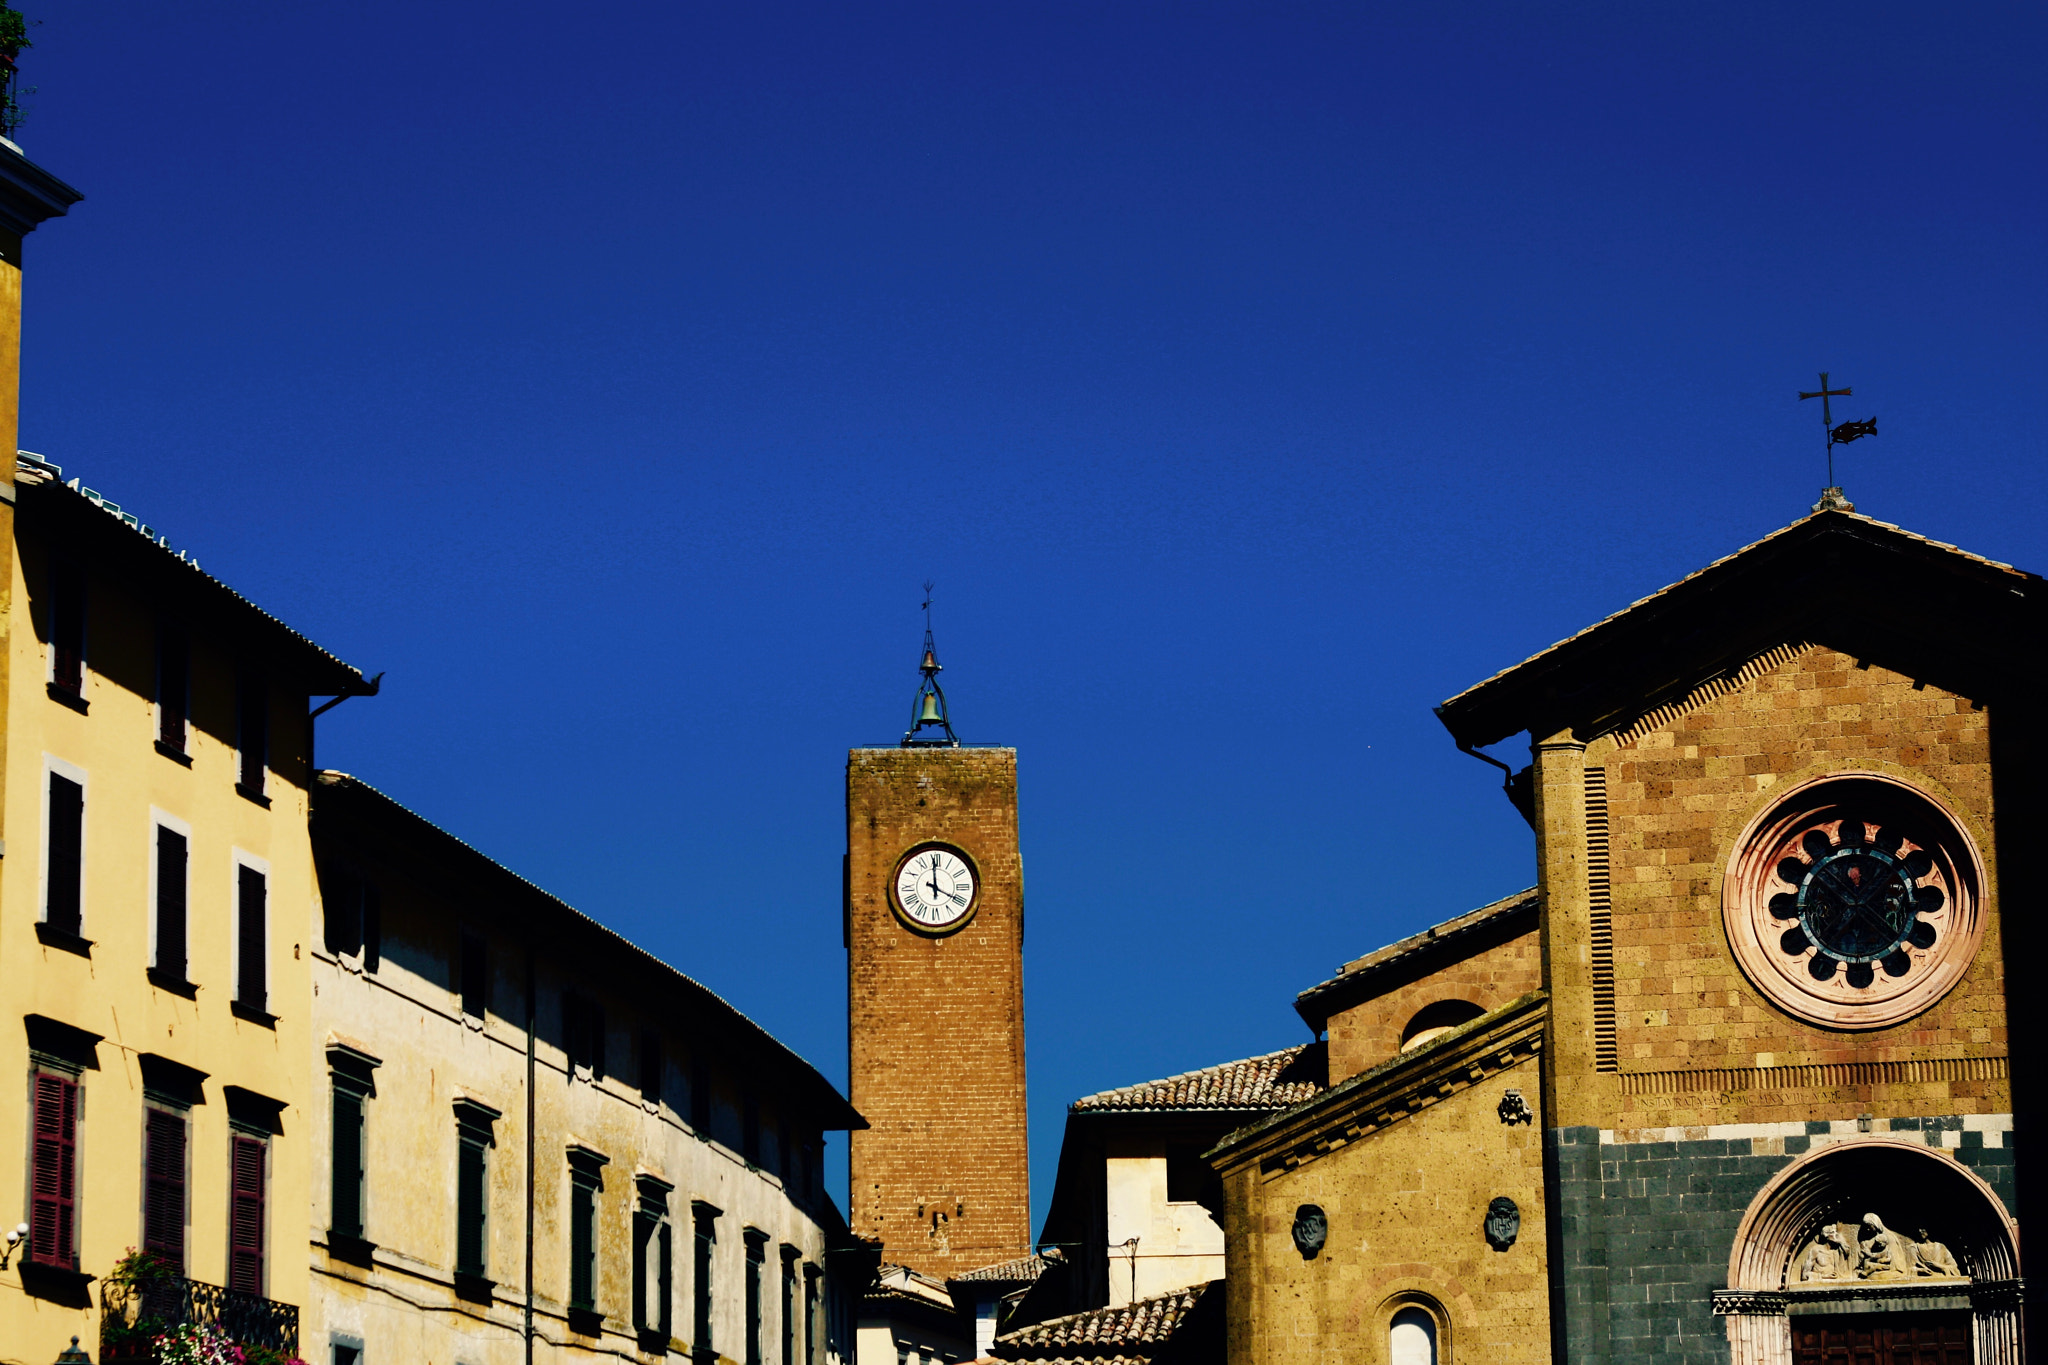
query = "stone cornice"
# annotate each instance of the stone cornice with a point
(1389, 1092)
(28, 193)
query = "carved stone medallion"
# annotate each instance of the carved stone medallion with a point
(1311, 1230)
(1503, 1223)
(1514, 1109)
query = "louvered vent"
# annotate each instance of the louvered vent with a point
(1606, 1052)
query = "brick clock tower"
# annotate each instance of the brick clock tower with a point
(935, 996)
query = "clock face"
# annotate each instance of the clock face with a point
(935, 888)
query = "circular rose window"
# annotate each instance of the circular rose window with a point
(1853, 901)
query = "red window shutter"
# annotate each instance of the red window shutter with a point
(245, 1232)
(163, 1208)
(52, 1233)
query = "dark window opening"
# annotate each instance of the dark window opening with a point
(811, 1276)
(1189, 1178)
(474, 1136)
(704, 1219)
(583, 1034)
(345, 1216)
(700, 1098)
(791, 1309)
(171, 855)
(163, 1186)
(650, 1066)
(586, 1181)
(757, 1254)
(252, 738)
(67, 627)
(1434, 1020)
(53, 1180)
(475, 984)
(350, 915)
(750, 1127)
(173, 687)
(653, 1264)
(63, 895)
(252, 977)
(245, 1225)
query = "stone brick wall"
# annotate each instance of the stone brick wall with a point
(1649, 1225)
(1406, 1207)
(936, 1024)
(1369, 1032)
(1678, 798)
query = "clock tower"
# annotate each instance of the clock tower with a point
(935, 996)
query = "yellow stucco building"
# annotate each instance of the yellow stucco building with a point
(155, 897)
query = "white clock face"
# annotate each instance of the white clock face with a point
(935, 888)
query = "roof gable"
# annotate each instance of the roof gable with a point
(1418, 955)
(1963, 622)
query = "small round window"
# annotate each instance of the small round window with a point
(1853, 901)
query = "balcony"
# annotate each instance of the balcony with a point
(140, 1305)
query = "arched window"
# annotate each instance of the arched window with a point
(1435, 1019)
(1411, 1338)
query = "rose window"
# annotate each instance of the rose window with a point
(1853, 901)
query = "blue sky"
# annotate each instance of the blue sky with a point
(1249, 378)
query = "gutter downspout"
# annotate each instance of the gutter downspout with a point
(531, 997)
(1516, 785)
(324, 707)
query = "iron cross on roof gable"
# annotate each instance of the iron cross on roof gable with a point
(1831, 496)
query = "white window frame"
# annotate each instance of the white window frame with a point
(164, 819)
(61, 768)
(243, 858)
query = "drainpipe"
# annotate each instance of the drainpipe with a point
(324, 707)
(531, 994)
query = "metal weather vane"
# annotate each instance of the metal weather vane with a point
(1841, 435)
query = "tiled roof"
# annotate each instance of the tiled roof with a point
(1023, 1270)
(1135, 1330)
(1272, 1081)
(1319, 1001)
(34, 472)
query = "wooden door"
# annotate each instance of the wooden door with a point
(1881, 1339)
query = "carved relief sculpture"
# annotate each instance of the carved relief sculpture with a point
(1827, 1259)
(1932, 1258)
(1875, 1252)
(1886, 1255)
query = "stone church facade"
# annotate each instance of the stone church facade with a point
(1736, 1081)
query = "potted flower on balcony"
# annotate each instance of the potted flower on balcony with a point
(135, 1307)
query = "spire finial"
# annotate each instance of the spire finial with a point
(928, 710)
(1832, 499)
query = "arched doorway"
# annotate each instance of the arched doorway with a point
(1879, 1238)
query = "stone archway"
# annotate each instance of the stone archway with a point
(1773, 1275)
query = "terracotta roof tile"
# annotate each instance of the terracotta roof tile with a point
(1023, 1270)
(1133, 1331)
(1271, 1081)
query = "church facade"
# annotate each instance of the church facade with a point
(1736, 1081)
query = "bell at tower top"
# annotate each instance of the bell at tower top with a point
(928, 710)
